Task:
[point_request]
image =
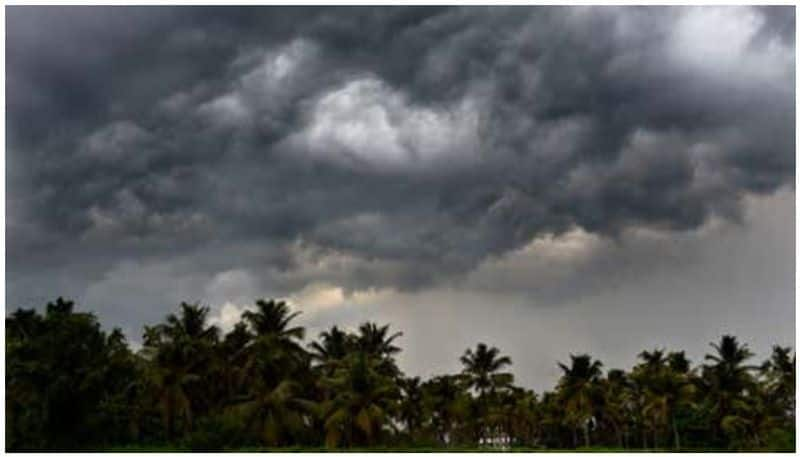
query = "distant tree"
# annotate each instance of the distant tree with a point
(578, 389)
(180, 352)
(410, 409)
(361, 404)
(446, 401)
(725, 382)
(64, 380)
(482, 369)
(70, 387)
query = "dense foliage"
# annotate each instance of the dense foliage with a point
(70, 385)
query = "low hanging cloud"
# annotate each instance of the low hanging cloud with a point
(375, 148)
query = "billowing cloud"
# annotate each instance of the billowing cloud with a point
(230, 153)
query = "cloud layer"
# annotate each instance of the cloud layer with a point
(165, 154)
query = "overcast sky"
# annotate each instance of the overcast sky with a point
(547, 180)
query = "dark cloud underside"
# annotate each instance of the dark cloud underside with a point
(374, 147)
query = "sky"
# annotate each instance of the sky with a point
(548, 180)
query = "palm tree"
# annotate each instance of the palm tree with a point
(410, 407)
(578, 388)
(190, 324)
(666, 387)
(273, 318)
(446, 403)
(178, 351)
(514, 415)
(526, 417)
(171, 381)
(617, 403)
(376, 340)
(678, 362)
(482, 369)
(273, 339)
(679, 388)
(275, 408)
(230, 364)
(333, 346)
(360, 407)
(779, 372)
(274, 369)
(725, 382)
(482, 373)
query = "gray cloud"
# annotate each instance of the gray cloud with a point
(390, 148)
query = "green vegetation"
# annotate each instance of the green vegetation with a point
(72, 386)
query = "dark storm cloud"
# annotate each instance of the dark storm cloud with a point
(415, 142)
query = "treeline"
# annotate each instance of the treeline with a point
(70, 385)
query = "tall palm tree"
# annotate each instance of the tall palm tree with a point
(376, 340)
(410, 407)
(362, 402)
(171, 381)
(446, 403)
(273, 373)
(578, 389)
(377, 343)
(779, 372)
(725, 382)
(679, 388)
(678, 362)
(617, 403)
(525, 417)
(482, 373)
(231, 361)
(179, 350)
(273, 318)
(273, 338)
(482, 369)
(190, 323)
(275, 408)
(666, 387)
(333, 346)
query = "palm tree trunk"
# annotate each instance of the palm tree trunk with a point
(618, 431)
(675, 432)
(169, 418)
(586, 433)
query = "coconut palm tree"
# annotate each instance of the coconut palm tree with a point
(725, 382)
(525, 422)
(179, 350)
(333, 346)
(410, 409)
(578, 388)
(446, 403)
(377, 343)
(779, 373)
(666, 387)
(273, 318)
(482, 373)
(482, 369)
(361, 404)
(275, 409)
(275, 343)
(376, 340)
(617, 403)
